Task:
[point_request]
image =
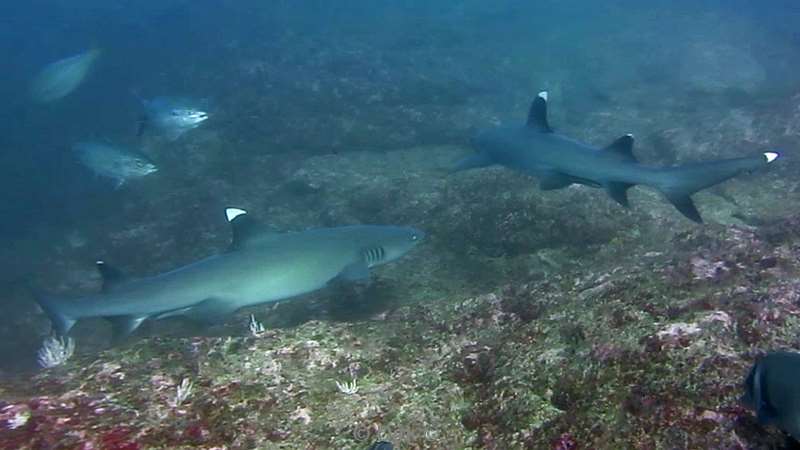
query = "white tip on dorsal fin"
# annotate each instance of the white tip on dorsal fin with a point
(771, 156)
(232, 213)
(543, 95)
(630, 135)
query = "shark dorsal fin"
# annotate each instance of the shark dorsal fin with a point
(623, 147)
(246, 230)
(111, 275)
(242, 225)
(537, 116)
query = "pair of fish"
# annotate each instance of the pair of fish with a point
(168, 117)
(171, 117)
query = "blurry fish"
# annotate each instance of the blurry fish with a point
(559, 161)
(60, 78)
(772, 390)
(261, 266)
(170, 117)
(113, 162)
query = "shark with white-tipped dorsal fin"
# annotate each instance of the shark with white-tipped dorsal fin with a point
(261, 266)
(558, 161)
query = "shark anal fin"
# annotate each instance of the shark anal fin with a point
(123, 326)
(475, 161)
(555, 180)
(537, 115)
(358, 271)
(111, 275)
(619, 192)
(210, 311)
(685, 205)
(623, 147)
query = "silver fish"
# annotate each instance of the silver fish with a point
(171, 117)
(60, 78)
(113, 162)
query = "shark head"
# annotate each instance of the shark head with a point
(382, 244)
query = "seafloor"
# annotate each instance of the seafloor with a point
(527, 319)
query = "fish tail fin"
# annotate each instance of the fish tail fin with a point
(55, 309)
(679, 183)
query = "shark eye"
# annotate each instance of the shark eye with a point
(414, 237)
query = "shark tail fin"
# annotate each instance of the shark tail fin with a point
(55, 310)
(679, 183)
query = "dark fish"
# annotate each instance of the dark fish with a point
(381, 445)
(773, 391)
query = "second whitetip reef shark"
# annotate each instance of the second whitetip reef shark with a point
(558, 161)
(260, 266)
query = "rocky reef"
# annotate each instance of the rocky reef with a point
(649, 352)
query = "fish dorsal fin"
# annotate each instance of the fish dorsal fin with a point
(537, 116)
(111, 275)
(623, 147)
(242, 225)
(246, 230)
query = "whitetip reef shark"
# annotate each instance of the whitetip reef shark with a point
(558, 161)
(260, 266)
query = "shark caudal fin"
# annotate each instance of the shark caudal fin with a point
(679, 183)
(55, 310)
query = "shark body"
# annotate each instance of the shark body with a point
(559, 161)
(261, 266)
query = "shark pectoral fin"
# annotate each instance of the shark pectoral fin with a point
(210, 311)
(357, 271)
(475, 161)
(622, 148)
(123, 326)
(554, 180)
(56, 311)
(537, 115)
(619, 192)
(685, 205)
(111, 275)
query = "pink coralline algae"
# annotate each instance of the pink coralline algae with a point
(564, 442)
